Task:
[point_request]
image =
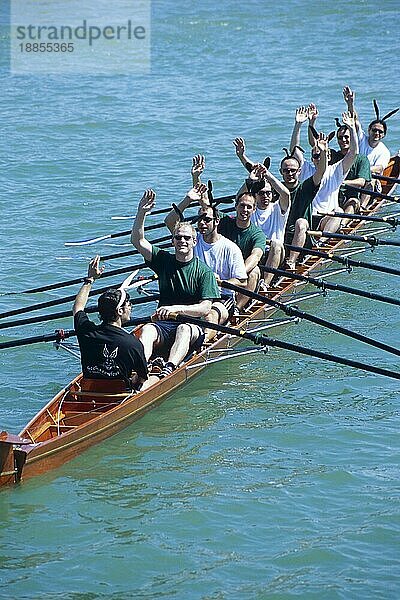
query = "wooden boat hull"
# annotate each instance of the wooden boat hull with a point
(47, 441)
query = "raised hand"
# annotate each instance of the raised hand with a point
(312, 113)
(301, 114)
(147, 201)
(94, 269)
(197, 192)
(259, 172)
(198, 165)
(348, 95)
(240, 146)
(322, 142)
(348, 119)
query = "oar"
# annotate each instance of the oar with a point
(385, 178)
(391, 220)
(371, 193)
(263, 340)
(68, 313)
(59, 335)
(367, 239)
(295, 312)
(344, 260)
(327, 285)
(129, 231)
(56, 302)
(160, 211)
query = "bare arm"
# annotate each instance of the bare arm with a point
(301, 117)
(348, 160)
(94, 272)
(193, 195)
(252, 261)
(322, 144)
(240, 147)
(137, 236)
(261, 172)
(312, 119)
(201, 309)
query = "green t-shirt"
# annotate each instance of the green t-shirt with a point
(360, 168)
(301, 199)
(247, 239)
(182, 283)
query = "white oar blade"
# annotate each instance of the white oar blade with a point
(88, 242)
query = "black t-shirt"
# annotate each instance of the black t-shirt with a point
(107, 351)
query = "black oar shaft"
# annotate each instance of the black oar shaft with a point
(366, 239)
(385, 178)
(350, 216)
(263, 340)
(327, 285)
(371, 193)
(344, 260)
(295, 312)
(68, 313)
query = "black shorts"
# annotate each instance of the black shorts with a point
(167, 333)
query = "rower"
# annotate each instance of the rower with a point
(187, 287)
(302, 194)
(222, 255)
(108, 352)
(271, 215)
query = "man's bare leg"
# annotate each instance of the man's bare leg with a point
(299, 239)
(252, 281)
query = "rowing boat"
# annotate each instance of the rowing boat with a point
(82, 415)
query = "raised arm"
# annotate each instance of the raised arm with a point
(312, 119)
(94, 272)
(301, 117)
(261, 172)
(195, 194)
(240, 148)
(198, 166)
(348, 160)
(322, 144)
(138, 239)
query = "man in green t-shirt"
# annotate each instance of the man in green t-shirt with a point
(187, 287)
(250, 239)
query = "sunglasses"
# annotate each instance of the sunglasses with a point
(178, 238)
(265, 193)
(375, 130)
(289, 171)
(205, 218)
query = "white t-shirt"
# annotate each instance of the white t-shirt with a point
(224, 257)
(327, 197)
(378, 156)
(307, 170)
(271, 221)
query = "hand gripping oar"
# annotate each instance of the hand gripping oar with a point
(366, 239)
(371, 193)
(263, 340)
(295, 312)
(327, 285)
(390, 219)
(344, 260)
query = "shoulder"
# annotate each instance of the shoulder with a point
(82, 322)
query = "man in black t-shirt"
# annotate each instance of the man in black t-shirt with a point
(107, 350)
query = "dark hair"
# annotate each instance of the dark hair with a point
(380, 122)
(246, 193)
(289, 158)
(342, 129)
(107, 304)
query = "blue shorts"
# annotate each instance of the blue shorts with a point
(167, 333)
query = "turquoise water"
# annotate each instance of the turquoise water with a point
(270, 477)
